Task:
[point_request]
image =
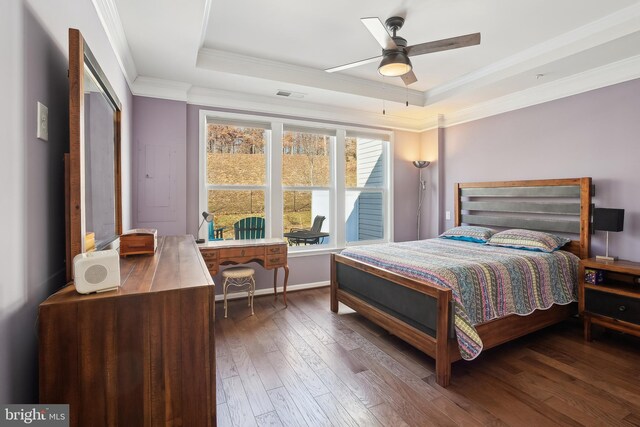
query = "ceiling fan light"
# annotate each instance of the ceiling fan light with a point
(395, 64)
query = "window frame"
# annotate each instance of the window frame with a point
(329, 187)
(386, 190)
(274, 190)
(204, 187)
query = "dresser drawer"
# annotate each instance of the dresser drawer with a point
(614, 306)
(276, 249)
(241, 252)
(212, 266)
(209, 254)
(277, 260)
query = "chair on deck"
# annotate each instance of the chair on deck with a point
(316, 227)
(249, 228)
(215, 233)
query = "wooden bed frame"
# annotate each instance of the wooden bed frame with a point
(512, 204)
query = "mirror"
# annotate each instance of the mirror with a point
(92, 167)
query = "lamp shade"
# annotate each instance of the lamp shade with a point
(605, 219)
(207, 216)
(420, 164)
(394, 64)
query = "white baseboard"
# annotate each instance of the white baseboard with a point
(269, 291)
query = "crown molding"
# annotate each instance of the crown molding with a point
(229, 62)
(610, 74)
(610, 27)
(159, 88)
(110, 19)
(224, 99)
(607, 75)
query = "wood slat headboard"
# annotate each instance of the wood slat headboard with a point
(552, 205)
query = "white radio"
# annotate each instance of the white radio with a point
(96, 271)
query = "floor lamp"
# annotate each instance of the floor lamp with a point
(422, 185)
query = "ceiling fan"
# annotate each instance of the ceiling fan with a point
(395, 52)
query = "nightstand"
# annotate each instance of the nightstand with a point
(615, 302)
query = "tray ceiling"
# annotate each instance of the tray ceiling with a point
(248, 49)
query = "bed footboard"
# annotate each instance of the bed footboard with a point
(417, 312)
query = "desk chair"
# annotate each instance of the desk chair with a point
(239, 276)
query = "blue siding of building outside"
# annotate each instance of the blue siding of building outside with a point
(370, 174)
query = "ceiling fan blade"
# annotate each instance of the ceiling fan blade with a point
(444, 44)
(409, 78)
(379, 32)
(353, 64)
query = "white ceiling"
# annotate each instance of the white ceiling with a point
(238, 54)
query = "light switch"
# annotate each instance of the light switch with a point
(42, 131)
(447, 215)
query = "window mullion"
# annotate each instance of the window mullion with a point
(235, 187)
(275, 216)
(338, 184)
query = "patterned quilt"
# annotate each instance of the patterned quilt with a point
(487, 282)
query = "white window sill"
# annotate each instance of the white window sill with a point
(312, 252)
(295, 253)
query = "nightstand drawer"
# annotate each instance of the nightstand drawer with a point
(614, 306)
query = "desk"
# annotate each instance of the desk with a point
(142, 355)
(305, 236)
(269, 253)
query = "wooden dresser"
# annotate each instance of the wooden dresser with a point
(143, 355)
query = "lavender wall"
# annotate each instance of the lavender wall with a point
(405, 185)
(429, 223)
(160, 123)
(593, 134)
(34, 67)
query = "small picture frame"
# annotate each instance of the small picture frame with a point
(594, 277)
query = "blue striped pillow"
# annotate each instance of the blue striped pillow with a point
(528, 239)
(469, 233)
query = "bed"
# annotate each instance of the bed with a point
(424, 310)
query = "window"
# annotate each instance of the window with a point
(291, 172)
(365, 183)
(236, 173)
(306, 178)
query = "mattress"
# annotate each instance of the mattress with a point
(487, 282)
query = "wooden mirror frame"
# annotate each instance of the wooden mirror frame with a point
(79, 56)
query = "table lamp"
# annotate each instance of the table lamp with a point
(607, 220)
(206, 216)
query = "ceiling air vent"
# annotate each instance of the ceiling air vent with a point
(290, 94)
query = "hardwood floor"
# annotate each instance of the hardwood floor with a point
(305, 366)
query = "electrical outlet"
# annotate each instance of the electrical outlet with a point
(42, 131)
(447, 215)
